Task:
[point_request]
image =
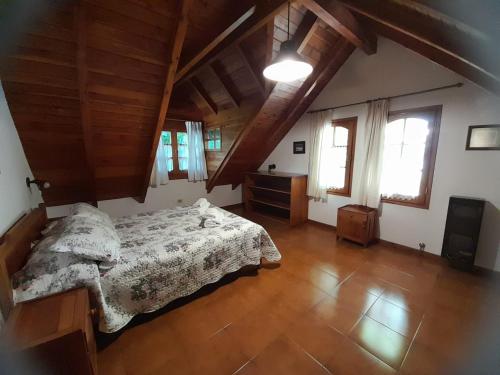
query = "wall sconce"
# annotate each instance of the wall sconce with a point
(270, 168)
(41, 184)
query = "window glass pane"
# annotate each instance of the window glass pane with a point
(182, 151)
(416, 130)
(168, 151)
(394, 132)
(333, 160)
(340, 137)
(170, 164)
(217, 133)
(181, 138)
(210, 134)
(218, 144)
(183, 164)
(339, 156)
(211, 145)
(404, 151)
(166, 137)
(413, 156)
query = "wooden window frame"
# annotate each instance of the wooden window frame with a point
(433, 113)
(351, 123)
(173, 128)
(206, 139)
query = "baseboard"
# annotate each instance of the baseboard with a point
(320, 224)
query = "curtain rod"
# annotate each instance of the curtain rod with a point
(176, 119)
(459, 84)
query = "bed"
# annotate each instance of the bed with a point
(164, 255)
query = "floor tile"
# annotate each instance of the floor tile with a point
(283, 357)
(314, 336)
(336, 315)
(349, 358)
(386, 344)
(404, 322)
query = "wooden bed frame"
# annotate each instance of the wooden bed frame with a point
(15, 247)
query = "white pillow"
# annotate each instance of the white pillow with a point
(86, 210)
(86, 238)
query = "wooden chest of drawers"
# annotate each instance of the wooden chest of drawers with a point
(357, 223)
(56, 332)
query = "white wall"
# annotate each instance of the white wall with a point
(395, 70)
(175, 193)
(15, 198)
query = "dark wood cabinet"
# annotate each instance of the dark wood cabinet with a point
(55, 332)
(357, 223)
(282, 195)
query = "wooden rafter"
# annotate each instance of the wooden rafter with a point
(82, 71)
(175, 52)
(305, 31)
(213, 44)
(227, 86)
(252, 68)
(264, 12)
(338, 17)
(438, 41)
(269, 49)
(300, 39)
(203, 94)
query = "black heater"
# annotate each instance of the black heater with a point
(461, 233)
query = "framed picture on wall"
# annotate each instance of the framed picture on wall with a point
(483, 137)
(299, 147)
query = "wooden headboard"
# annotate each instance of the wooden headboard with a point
(14, 250)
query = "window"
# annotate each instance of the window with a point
(410, 146)
(175, 140)
(213, 140)
(339, 154)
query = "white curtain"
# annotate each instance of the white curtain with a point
(376, 122)
(159, 176)
(197, 166)
(319, 124)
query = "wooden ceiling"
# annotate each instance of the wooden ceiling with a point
(91, 84)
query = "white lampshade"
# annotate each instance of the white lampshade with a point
(288, 65)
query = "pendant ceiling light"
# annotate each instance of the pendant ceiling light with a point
(288, 65)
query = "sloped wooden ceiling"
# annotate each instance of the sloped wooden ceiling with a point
(92, 83)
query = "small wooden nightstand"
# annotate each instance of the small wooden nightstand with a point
(56, 331)
(357, 223)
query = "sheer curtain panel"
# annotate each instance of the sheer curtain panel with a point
(197, 166)
(376, 122)
(320, 126)
(159, 176)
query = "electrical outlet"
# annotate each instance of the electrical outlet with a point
(180, 200)
(421, 246)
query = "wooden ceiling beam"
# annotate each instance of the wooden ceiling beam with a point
(300, 39)
(225, 83)
(338, 17)
(252, 68)
(269, 49)
(82, 72)
(305, 31)
(175, 52)
(438, 41)
(203, 94)
(213, 44)
(264, 11)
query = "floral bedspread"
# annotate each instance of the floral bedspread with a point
(164, 255)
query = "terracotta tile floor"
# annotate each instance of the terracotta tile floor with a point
(328, 308)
